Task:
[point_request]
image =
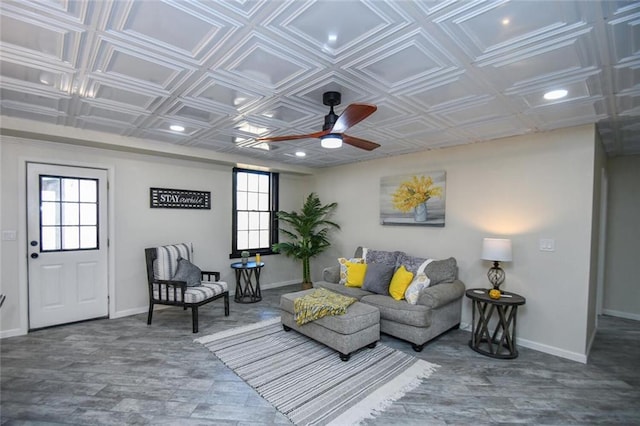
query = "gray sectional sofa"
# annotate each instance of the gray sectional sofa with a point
(438, 306)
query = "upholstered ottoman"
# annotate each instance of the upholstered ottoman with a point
(358, 328)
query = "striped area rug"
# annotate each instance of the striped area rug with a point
(307, 381)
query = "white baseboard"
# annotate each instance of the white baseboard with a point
(551, 350)
(12, 333)
(619, 314)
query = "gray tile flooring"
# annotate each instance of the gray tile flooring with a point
(117, 372)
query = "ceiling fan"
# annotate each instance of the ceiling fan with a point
(332, 134)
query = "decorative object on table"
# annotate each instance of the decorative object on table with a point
(247, 282)
(244, 255)
(496, 250)
(179, 199)
(308, 234)
(495, 338)
(258, 258)
(415, 199)
(494, 293)
(289, 370)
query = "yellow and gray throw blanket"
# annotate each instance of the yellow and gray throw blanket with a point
(320, 303)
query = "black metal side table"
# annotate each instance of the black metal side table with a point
(246, 290)
(502, 342)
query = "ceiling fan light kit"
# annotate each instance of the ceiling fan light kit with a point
(332, 135)
(331, 141)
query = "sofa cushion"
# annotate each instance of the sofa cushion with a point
(399, 310)
(399, 283)
(378, 278)
(381, 256)
(442, 271)
(188, 272)
(355, 274)
(356, 292)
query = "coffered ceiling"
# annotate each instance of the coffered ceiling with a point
(441, 73)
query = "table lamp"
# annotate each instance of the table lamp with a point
(496, 250)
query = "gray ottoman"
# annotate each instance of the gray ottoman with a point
(358, 328)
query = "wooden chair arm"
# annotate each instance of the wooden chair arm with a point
(216, 274)
(181, 284)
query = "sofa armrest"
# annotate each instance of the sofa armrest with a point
(331, 274)
(441, 294)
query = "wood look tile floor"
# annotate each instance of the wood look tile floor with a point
(120, 372)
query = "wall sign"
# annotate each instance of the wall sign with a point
(179, 199)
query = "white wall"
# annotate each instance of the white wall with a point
(133, 224)
(525, 188)
(622, 281)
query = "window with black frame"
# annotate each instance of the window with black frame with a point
(255, 203)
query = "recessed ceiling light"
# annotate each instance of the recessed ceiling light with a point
(505, 21)
(176, 128)
(555, 94)
(301, 154)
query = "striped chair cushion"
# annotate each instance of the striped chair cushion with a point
(165, 266)
(207, 290)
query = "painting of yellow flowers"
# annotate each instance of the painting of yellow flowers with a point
(415, 199)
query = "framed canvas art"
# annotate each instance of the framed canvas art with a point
(416, 199)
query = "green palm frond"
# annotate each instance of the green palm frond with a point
(307, 231)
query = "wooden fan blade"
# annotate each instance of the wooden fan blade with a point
(293, 137)
(352, 115)
(359, 143)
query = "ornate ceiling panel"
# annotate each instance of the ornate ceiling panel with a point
(441, 73)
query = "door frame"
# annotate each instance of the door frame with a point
(23, 247)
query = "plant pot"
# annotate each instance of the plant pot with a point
(245, 260)
(307, 286)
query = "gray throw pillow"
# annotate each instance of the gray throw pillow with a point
(378, 277)
(188, 272)
(442, 271)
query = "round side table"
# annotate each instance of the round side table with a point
(246, 290)
(501, 343)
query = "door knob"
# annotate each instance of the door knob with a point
(34, 255)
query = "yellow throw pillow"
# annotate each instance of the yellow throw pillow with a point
(399, 283)
(355, 274)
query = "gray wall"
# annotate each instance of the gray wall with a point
(133, 224)
(622, 281)
(525, 188)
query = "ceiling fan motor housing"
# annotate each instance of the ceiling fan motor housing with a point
(331, 99)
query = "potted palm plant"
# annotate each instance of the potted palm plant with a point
(308, 233)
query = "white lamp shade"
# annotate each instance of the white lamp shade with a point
(331, 141)
(496, 249)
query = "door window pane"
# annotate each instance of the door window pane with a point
(70, 237)
(68, 213)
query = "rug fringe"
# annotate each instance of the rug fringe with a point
(235, 331)
(382, 398)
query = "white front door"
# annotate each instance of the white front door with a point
(67, 244)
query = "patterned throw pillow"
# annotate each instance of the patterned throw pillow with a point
(343, 267)
(399, 283)
(188, 272)
(381, 256)
(413, 291)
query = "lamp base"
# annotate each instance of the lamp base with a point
(496, 275)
